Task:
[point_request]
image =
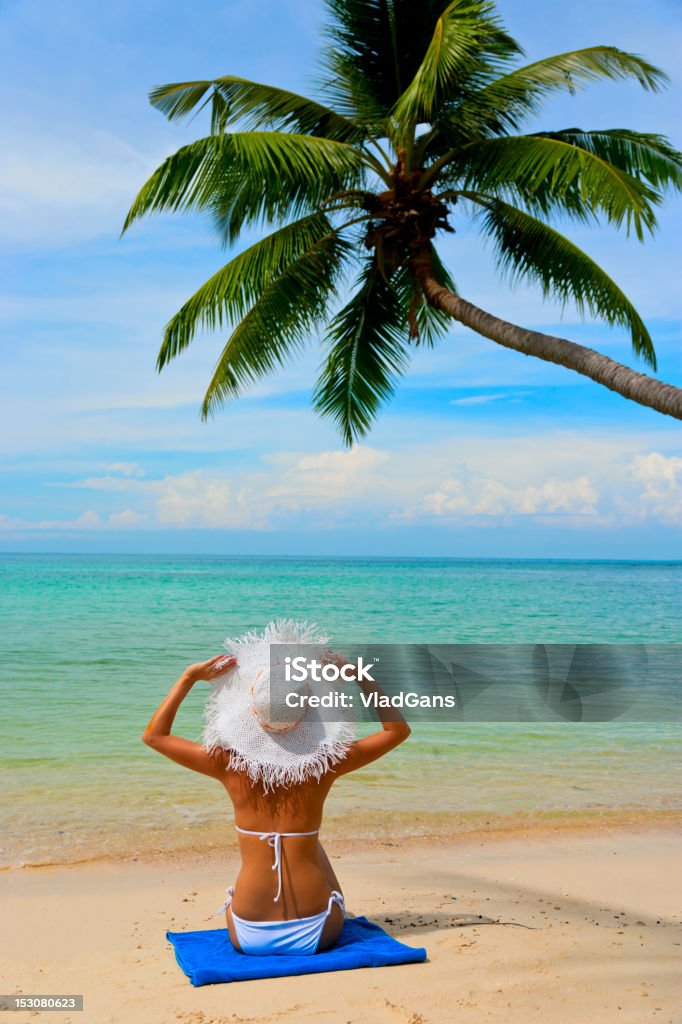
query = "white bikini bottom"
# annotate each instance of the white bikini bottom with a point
(299, 935)
(266, 938)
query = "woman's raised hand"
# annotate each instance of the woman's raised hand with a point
(206, 671)
(331, 657)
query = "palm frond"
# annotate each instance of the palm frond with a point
(502, 105)
(528, 249)
(549, 174)
(229, 294)
(368, 352)
(280, 321)
(467, 47)
(248, 177)
(375, 48)
(255, 106)
(645, 156)
(179, 99)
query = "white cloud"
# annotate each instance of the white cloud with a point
(202, 499)
(290, 484)
(128, 517)
(327, 478)
(100, 483)
(89, 520)
(484, 399)
(124, 468)
(594, 480)
(660, 480)
(489, 497)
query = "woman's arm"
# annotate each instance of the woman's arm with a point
(395, 730)
(158, 732)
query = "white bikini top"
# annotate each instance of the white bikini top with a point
(274, 839)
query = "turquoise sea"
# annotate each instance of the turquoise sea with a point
(89, 645)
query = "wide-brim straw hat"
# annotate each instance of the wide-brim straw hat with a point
(274, 746)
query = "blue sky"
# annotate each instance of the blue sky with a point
(482, 452)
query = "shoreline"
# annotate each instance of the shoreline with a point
(457, 830)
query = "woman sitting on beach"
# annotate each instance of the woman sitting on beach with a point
(278, 767)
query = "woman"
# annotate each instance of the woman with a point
(278, 768)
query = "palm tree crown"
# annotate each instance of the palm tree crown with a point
(422, 120)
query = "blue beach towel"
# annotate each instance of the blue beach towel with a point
(207, 957)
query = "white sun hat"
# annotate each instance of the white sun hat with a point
(271, 743)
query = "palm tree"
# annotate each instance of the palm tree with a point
(424, 104)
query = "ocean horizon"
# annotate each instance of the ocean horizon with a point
(333, 558)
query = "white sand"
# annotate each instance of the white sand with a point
(574, 927)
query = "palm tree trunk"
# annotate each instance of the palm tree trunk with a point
(615, 376)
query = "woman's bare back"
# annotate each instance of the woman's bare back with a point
(307, 875)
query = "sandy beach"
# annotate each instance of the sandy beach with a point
(570, 926)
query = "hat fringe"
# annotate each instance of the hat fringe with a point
(281, 631)
(275, 776)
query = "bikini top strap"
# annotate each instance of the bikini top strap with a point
(274, 839)
(248, 832)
